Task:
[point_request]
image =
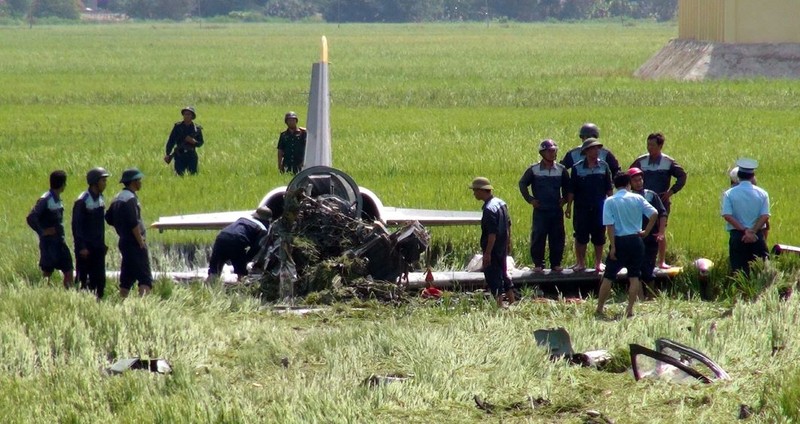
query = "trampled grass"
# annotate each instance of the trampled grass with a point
(417, 111)
(228, 356)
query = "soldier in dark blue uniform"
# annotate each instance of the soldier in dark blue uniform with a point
(183, 141)
(89, 232)
(47, 219)
(495, 240)
(291, 145)
(549, 186)
(239, 243)
(590, 185)
(651, 241)
(659, 169)
(125, 215)
(745, 209)
(590, 130)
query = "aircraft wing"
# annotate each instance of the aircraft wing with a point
(199, 221)
(428, 217)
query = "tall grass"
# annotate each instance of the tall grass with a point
(229, 354)
(417, 111)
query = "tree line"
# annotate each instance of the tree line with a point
(352, 10)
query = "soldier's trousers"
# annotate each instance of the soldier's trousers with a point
(186, 162)
(548, 225)
(741, 253)
(91, 270)
(649, 262)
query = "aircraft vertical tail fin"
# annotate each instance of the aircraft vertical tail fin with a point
(318, 145)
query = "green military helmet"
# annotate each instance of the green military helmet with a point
(289, 115)
(589, 130)
(95, 174)
(263, 214)
(189, 109)
(131, 174)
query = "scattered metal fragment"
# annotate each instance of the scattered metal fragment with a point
(745, 412)
(597, 417)
(529, 402)
(593, 358)
(481, 404)
(375, 380)
(160, 366)
(558, 343)
(556, 340)
(675, 362)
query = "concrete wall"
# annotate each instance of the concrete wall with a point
(739, 21)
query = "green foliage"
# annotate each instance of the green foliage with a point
(501, 11)
(15, 8)
(764, 275)
(158, 9)
(292, 10)
(66, 9)
(779, 399)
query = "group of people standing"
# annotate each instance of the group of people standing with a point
(89, 217)
(633, 220)
(236, 243)
(580, 187)
(187, 136)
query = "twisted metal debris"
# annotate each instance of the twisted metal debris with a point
(322, 250)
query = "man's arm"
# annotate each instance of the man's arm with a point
(650, 223)
(613, 163)
(281, 146)
(137, 234)
(172, 141)
(662, 216)
(566, 188)
(679, 173)
(129, 216)
(79, 216)
(280, 161)
(34, 219)
(198, 136)
(524, 182)
(734, 223)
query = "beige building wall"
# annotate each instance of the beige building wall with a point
(739, 21)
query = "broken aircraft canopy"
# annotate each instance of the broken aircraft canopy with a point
(675, 362)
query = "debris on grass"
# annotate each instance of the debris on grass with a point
(160, 366)
(597, 417)
(321, 250)
(745, 412)
(530, 403)
(558, 343)
(675, 362)
(375, 380)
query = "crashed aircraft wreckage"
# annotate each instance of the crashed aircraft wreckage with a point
(321, 244)
(368, 206)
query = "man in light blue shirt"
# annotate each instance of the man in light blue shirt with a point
(622, 216)
(745, 209)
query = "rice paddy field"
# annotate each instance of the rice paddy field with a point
(418, 110)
